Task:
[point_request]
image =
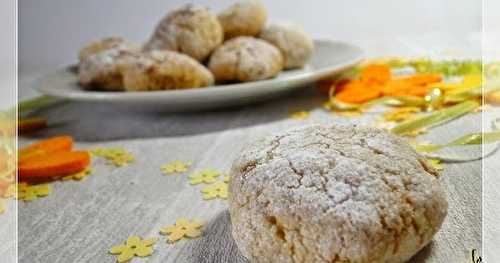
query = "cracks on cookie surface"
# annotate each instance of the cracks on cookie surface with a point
(397, 179)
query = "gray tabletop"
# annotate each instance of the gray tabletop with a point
(81, 220)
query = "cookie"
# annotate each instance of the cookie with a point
(333, 194)
(245, 18)
(293, 42)
(245, 59)
(191, 29)
(100, 62)
(164, 70)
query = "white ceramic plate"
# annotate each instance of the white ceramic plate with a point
(329, 58)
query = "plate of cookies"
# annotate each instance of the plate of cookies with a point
(196, 59)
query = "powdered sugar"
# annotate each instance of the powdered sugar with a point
(333, 194)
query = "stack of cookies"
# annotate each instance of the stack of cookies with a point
(192, 48)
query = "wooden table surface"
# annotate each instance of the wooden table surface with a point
(81, 220)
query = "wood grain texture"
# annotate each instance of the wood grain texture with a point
(80, 221)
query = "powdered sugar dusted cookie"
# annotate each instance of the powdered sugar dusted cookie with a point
(245, 59)
(295, 44)
(333, 194)
(164, 70)
(245, 18)
(100, 62)
(191, 29)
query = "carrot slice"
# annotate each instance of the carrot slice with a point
(31, 125)
(376, 74)
(423, 79)
(56, 144)
(323, 86)
(358, 94)
(54, 164)
(396, 87)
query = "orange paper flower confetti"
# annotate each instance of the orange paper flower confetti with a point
(175, 167)
(216, 190)
(32, 192)
(206, 176)
(133, 247)
(182, 228)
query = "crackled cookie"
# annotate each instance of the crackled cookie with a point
(99, 66)
(293, 42)
(245, 59)
(333, 194)
(245, 18)
(191, 29)
(164, 70)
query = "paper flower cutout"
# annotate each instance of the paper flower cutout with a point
(212, 191)
(10, 192)
(206, 176)
(32, 192)
(78, 176)
(116, 156)
(133, 247)
(348, 114)
(182, 228)
(436, 164)
(175, 167)
(2, 206)
(401, 114)
(299, 115)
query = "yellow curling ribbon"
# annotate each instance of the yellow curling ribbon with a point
(469, 139)
(436, 117)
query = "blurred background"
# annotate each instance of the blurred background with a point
(7, 53)
(52, 31)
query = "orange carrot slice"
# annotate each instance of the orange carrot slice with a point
(423, 79)
(54, 164)
(358, 94)
(31, 125)
(56, 144)
(323, 86)
(395, 87)
(376, 74)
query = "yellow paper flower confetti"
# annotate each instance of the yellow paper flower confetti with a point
(206, 176)
(401, 114)
(32, 192)
(2, 206)
(348, 114)
(182, 228)
(78, 176)
(116, 156)
(299, 115)
(436, 164)
(216, 190)
(175, 167)
(133, 247)
(10, 192)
